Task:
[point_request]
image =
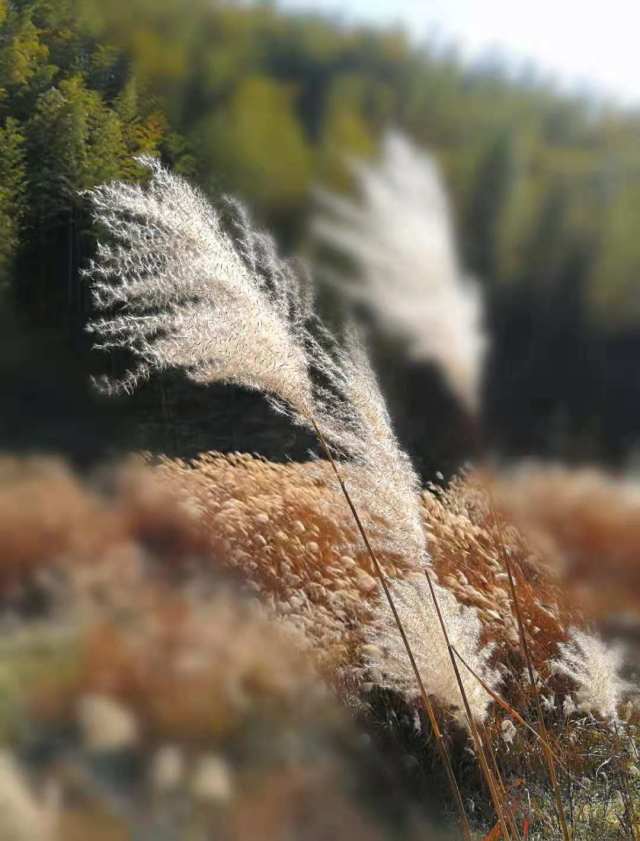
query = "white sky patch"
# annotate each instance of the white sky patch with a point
(585, 46)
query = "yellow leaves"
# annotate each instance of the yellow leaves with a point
(24, 53)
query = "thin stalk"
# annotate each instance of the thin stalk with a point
(513, 713)
(484, 765)
(501, 786)
(553, 778)
(624, 779)
(444, 753)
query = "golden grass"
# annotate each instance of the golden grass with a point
(468, 543)
(49, 518)
(286, 528)
(586, 523)
(288, 532)
(284, 532)
(119, 586)
(139, 644)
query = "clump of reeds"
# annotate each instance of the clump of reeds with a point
(195, 294)
(199, 290)
(282, 527)
(468, 543)
(143, 694)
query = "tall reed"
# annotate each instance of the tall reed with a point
(211, 297)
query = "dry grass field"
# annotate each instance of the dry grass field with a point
(188, 649)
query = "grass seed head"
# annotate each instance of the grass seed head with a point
(385, 652)
(400, 237)
(594, 667)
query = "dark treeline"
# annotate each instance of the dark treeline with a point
(546, 190)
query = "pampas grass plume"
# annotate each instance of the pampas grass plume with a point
(400, 237)
(385, 653)
(594, 667)
(182, 290)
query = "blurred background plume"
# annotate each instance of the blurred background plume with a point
(402, 244)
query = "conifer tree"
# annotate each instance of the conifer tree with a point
(70, 118)
(12, 189)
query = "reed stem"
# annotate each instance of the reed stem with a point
(442, 748)
(544, 735)
(491, 784)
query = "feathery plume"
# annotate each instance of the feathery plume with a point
(385, 653)
(382, 481)
(594, 667)
(21, 817)
(219, 303)
(400, 237)
(189, 293)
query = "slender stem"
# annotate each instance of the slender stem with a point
(624, 779)
(513, 713)
(486, 739)
(553, 778)
(466, 829)
(493, 790)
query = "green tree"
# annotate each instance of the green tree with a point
(12, 190)
(70, 117)
(485, 215)
(614, 287)
(256, 146)
(346, 133)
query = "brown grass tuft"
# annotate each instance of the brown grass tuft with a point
(287, 530)
(125, 616)
(148, 693)
(587, 524)
(468, 543)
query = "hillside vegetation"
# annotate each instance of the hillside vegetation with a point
(545, 187)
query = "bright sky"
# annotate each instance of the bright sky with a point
(583, 43)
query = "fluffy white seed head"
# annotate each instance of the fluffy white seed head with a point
(508, 731)
(594, 667)
(386, 654)
(22, 818)
(400, 237)
(380, 477)
(105, 724)
(215, 300)
(185, 290)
